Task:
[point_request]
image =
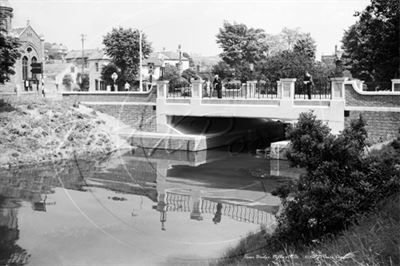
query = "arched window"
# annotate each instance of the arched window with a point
(33, 60)
(24, 68)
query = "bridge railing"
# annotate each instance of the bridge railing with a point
(180, 92)
(319, 89)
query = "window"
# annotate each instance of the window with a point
(96, 84)
(33, 60)
(97, 67)
(24, 68)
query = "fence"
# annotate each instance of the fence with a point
(319, 89)
(265, 89)
(179, 92)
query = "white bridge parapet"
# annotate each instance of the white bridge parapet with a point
(284, 107)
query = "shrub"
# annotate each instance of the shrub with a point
(341, 182)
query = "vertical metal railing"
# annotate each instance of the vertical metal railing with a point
(319, 89)
(179, 92)
(266, 89)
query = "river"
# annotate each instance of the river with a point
(139, 207)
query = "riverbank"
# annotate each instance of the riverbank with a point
(373, 241)
(343, 211)
(34, 132)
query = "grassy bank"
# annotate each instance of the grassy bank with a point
(374, 240)
(343, 211)
(39, 131)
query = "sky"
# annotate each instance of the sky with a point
(192, 24)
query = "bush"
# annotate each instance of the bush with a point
(341, 182)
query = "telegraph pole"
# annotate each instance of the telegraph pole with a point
(140, 62)
(83, 56)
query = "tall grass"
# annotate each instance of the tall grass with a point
(374, 240)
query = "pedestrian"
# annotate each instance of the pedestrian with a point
(218, 214)
(309, 83)
(218, 86)
(127, 86)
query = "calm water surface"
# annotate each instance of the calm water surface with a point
(135, 208)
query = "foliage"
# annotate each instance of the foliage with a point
(107, 71)
(171, 73)
(122, 45)
(240, 44)
(223, 70)
(191, 62)
(286, 64)
(284, 41)
(306, 46)
(189, 74)
(8, 55)
(67, 81)
(341, 182)
(83, 80)
(371, 45)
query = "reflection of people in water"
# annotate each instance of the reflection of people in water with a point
(217, 216)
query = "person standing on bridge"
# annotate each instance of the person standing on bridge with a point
(309, 83)
(218, 86)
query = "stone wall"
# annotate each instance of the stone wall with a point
(381, 110)
(137, 110)
(381, 126)
(353, 98)
(121, 97)
(140, 117)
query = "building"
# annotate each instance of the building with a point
(95, 63)
(55, 74)
(155, 63)
(31, 49)
(55, 52)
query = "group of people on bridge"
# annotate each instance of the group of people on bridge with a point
(217, 85)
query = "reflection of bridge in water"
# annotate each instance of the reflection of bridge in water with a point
(197, 205)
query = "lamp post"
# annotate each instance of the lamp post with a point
(338, 63)
(114, 76)
(140, 62)
(251, 66)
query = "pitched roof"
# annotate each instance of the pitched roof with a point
(156, 61)
(75, 54)
(56, 68)
(172, 55)
(98, 54)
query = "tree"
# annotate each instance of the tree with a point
(106, 73)
(189, 74)
(122, 45)
(371, 45)
(83, 80)
(240, 44)
(67, 81)
(191, 62)
(223, 70)
(171, 73)
(306, 46)
(8, 54)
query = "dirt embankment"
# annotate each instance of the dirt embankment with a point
(37, 132)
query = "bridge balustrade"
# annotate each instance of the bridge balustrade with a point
(320, 89)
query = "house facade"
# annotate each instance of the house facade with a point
(31, 49)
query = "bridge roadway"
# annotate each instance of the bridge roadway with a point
(284, 108)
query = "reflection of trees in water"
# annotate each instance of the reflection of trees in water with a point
(10, 252)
